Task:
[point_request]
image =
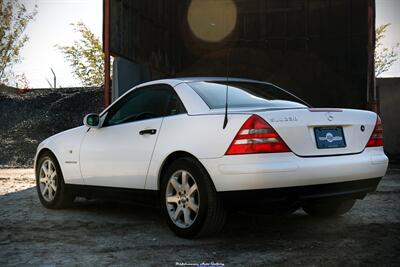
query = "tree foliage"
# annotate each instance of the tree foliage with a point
(14, 18)
(384, 57)
(85, 56)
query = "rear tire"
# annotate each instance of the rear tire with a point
(50, 185)
(189, 200)
(329, 208)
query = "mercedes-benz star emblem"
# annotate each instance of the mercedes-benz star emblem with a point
(329, 116)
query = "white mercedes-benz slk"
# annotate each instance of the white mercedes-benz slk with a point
(200, 146)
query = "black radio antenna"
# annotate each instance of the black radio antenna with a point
(226, 91)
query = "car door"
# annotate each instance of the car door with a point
(119, 153)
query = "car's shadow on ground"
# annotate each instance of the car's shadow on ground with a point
(243, 225)
(242, 229)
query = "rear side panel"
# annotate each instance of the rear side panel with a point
(200, 135)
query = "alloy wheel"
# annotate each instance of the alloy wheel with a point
(182, 199)
(48, 180)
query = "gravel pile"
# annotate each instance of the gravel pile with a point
(27, 119)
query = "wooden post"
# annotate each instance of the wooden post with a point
(106, 49)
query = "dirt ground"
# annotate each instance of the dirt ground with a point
(98, 233)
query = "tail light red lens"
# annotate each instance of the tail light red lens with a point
(256, 136)
(376, 138)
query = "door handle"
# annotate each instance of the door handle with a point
(148, 131)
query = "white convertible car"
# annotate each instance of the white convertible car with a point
(200, 146)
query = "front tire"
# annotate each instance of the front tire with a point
(189, 200)
(329, 208)
(50, 185)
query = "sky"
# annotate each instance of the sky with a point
(388, 11)
(52, 27)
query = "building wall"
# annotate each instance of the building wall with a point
(317, 49)
(126, 74)
(389, 91)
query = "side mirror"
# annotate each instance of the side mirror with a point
(92, 120)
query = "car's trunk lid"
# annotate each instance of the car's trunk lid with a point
(322, 132)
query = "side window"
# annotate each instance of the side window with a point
(145, 103)
(175, 105)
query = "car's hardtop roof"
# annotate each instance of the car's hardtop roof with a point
(175, 81)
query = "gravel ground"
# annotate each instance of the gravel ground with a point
(99, 233)
(27, 119)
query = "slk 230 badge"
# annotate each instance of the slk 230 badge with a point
(284, 119)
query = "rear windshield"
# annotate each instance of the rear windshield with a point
(245, 94)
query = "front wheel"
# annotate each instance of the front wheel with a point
(190, 201)
(50, 185)
(329, 208)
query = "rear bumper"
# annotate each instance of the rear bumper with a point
(281, 170)
(300, 194)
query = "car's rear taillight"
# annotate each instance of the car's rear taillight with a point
(256, 136)
(376, 138)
